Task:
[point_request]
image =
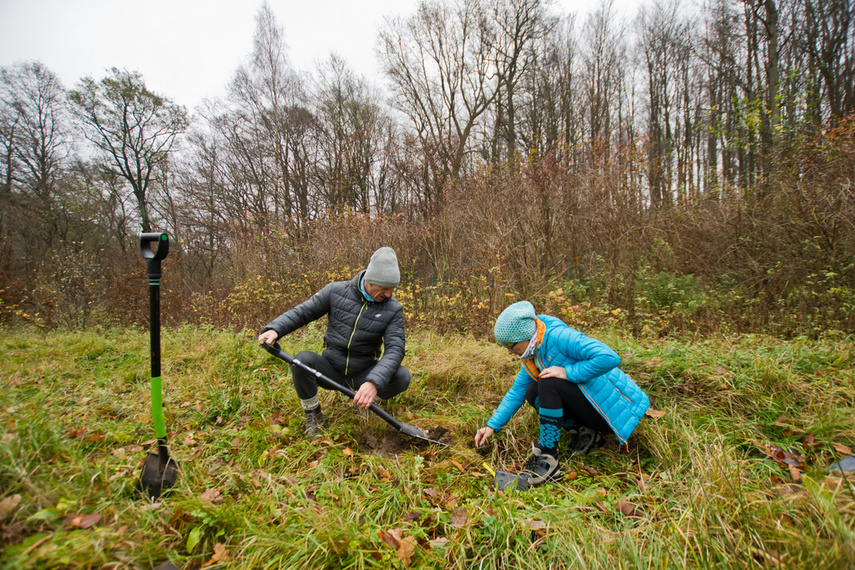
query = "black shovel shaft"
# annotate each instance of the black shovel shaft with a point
(278, 352)
(154, 246)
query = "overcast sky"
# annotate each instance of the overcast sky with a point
(189, 49)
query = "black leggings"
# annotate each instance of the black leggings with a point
(306, 384)
(558, 393)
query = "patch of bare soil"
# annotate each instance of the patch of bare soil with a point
(392, 442)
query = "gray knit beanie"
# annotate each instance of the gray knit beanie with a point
(383, 268)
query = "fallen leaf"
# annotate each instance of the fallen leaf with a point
(809, 441)
(347, 451)
(655, 414)
(220, 555)
(845, 450)
(795, 474)
(406, 549)
(189, 442)
(389, 538)
(458, 465)
(438, 543)
(431, 492)
(9, 504)
(73, 433)
(237, 442)
(588, 470)
(85, 521)
(459, 517)
(627, 509)
(534, 524)
(570, 476)
(209, 496)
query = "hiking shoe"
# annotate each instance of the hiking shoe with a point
(541, 467)
(584, 440)
(315, 423)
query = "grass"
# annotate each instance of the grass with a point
(731, 473)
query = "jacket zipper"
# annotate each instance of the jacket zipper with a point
(350, 340)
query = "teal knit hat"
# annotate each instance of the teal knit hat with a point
(516, 323)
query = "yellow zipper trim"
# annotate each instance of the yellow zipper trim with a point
(353, 332)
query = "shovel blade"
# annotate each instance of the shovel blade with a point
(419, 433)
(158, 475)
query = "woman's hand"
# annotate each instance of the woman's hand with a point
(554, 372)
(482, 434)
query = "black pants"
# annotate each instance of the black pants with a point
(558, 393)
(306, 384)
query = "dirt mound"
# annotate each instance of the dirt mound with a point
(393, 442)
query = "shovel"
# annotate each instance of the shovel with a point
(407, 429)
(160, 470)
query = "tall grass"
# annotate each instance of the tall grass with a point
(696, 488)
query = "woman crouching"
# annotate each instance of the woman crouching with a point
(572, 381)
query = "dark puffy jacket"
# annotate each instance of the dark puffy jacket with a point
(356, 330)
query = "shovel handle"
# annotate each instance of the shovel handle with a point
(154, 245)
(275, 350)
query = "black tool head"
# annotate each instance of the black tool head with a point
(511, 481)
(158, 475)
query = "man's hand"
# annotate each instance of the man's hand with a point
(554, 372)
(482, 434)
(267, 336)
(365, 395)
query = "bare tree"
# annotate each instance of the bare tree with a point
(829, 39)
(662, 40)
(35, 129)
(351, 129)
(134, 129)
(34, 125)
(266, 107)
(604, 54)
(519, 25)
(441, 66)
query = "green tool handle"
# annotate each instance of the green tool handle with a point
(157, 408)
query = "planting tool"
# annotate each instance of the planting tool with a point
(504, 480)
(160, 470)
(407, 429)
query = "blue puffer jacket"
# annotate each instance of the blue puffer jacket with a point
(589, 363)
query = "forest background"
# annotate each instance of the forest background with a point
(686, 172)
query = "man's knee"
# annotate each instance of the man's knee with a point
(399, 383)
(304, 381)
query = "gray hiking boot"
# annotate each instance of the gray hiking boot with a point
(584, 440)
(315, 423)
(542, 467)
